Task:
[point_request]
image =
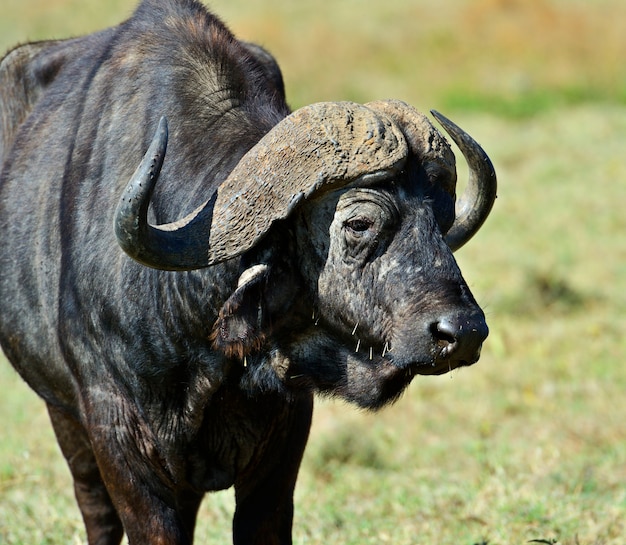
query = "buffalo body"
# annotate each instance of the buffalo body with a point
(179, 356)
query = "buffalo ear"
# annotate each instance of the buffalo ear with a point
(238, 330)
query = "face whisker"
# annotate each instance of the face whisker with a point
(371, 353)
(358, 345)
(385, 349)
(355, 328)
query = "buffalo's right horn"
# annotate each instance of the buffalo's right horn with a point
(316, 149)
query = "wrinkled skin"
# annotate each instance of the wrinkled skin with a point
(163, 385)
(382, 279)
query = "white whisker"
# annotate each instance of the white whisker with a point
(358, 345)
(355, 327)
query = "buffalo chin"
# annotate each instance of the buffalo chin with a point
(316, 362)
(372, 384)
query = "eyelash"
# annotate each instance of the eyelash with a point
(359, 225)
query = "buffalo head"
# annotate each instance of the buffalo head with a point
(344, 220)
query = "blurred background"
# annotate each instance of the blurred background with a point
(530, 443)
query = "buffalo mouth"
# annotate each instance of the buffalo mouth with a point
(373, 381)
(370, 373)
(441, 367)
(391, 368)
(446, 360)
(437, 359)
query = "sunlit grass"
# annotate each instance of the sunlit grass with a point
(529, 443)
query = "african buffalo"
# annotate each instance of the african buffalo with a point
(314, 254)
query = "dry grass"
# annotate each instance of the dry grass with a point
(503, 56)
(530, 443)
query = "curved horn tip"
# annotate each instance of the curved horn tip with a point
(161, 136)
(131, 213)
(451, 128)
(162, 124)
(438, 115)
(152, 161)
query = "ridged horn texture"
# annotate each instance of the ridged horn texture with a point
(315, 149)
(472, 209)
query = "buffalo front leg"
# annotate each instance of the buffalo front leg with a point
(102, 522)
(264, 492)
(188, 505)
(137, 473)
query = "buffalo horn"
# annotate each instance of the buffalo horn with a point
(426, 144)
(316, 149)
(475, 204)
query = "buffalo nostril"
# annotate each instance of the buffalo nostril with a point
(444, 331)
(459, 337)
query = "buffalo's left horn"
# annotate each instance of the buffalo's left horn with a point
(317, 148)
(473, 207)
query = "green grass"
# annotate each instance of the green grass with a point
(529, 444)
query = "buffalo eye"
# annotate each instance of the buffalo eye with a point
(358, 225)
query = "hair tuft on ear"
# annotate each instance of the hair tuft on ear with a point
(238, 330)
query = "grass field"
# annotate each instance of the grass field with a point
(530, 444)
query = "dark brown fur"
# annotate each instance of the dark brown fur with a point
(164, 385)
